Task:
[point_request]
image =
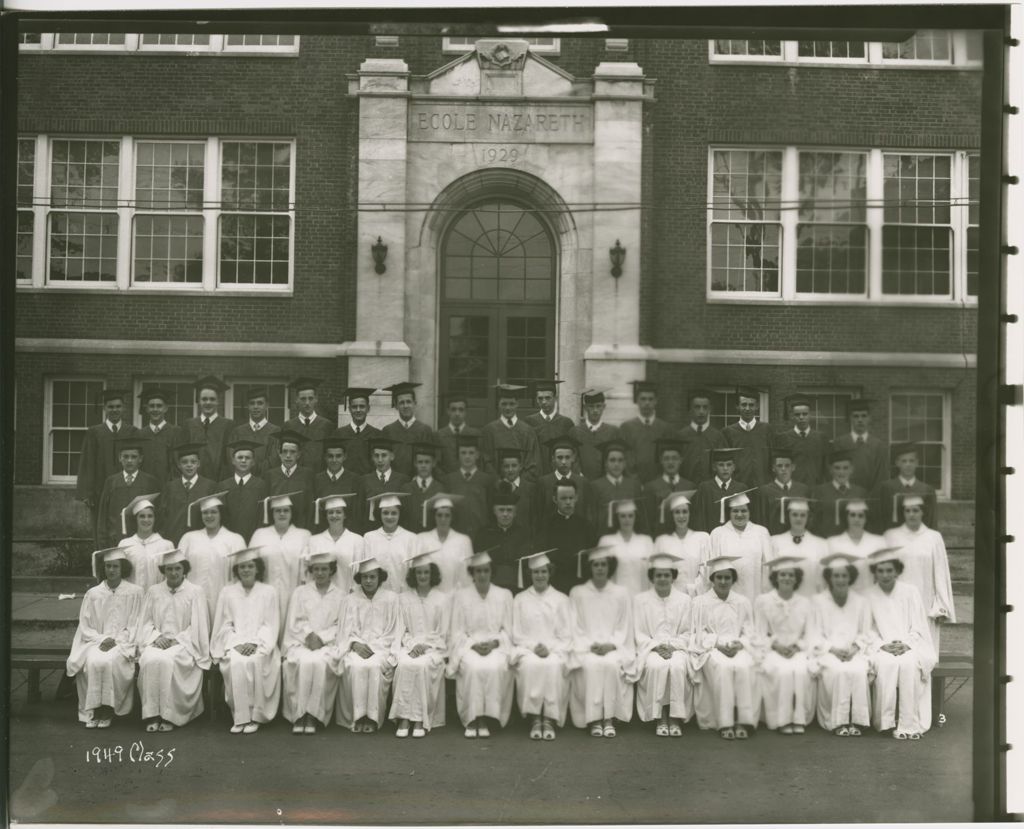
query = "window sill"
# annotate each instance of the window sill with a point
(846, 302)
(175, 292)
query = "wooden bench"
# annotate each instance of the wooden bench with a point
(951, 666)
(36, 660)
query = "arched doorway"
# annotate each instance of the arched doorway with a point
(498, 261)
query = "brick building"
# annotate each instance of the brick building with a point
(795, 215)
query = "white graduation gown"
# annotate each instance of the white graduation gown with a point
(483, 684)
(899, 616)
(843, 695)
(310, 677)
(633, 557)
(656, 622)
(601, 687)
(391, 551)
(252, 684)
(728, 692)
(171, 680)
(926, 566)
(208, 559)
(106, 677)
(754, 547)
(348, 547)
(862, 548)
(787, 688)
(283, 556)
(542, 683)
(450, 557)
(694, 549)
(144, 554)
(812, 549)
(419, 694)
(365, 682)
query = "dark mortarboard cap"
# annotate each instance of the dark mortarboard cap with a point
(405, 387)
(155, 392)
(335, 442)
(304, 383)
(355, 392)
(611, 446)
(562, 442)
(210, 382)
(503, 452)
(545, 385)
(425, 448)
(107, 395)
(137, 441)
(664, 444)
(725, 454)
(858, 405)
(256, 391)
(798, 400)
(289, 436)
(705, 393)
(504, 496)
(781, 446)
(591, 396)
(904, 448)
(183, 449)
(643, 385)
(837, 455)
(243, 443)
(381, 442)
(507, 390)
(457, 398)
(463, 439)
(748, 391)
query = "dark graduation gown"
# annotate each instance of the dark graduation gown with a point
(243, 505)
(657, 490)
(544, 503)
(115, 496)
(511, 544)
(315, 433)
(301, 481)
(705, 511)
(753, 464)
(404, 439)
(766, 504)
(525, 508)
(604, 492)
(172, 508)
(641, 459)
(371, 485)
(412, 504)
(98, 460)
(886, 493)
(347, 482)
(870, 460)
(449, 461)
(590, 460)
(357, 448)
(566, 536)
(265, 455)
(546, 430)
(496, 435)
(823, 510)
(697, 448)
(213, 458)
(474, 510)
(809, 454)
(158, 455)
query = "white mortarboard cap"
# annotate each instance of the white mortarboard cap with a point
(885, 554)
(673, 501)
(664, 561)
(842, 502)
(619, 505)
(385, 500)
(441, 499)
(787, 501)
(205, 502)
(481, 558)
(533, 561)
(242, 556)
(172, 557)
(101, 557)
(324, 557)
(330, 502)
(592, 554)
(838, 560)
(365, 565)
(733, 499)
(135, 506)
(913, 500)
(786, 563)
(421, 559)
(284, 499)
(714, 565)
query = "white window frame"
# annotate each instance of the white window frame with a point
(133, 45)
(448, 46)
(763, 412)
(126, 212)
(212, 46)
(288, 49)
(959, 55)
(616, 44)
(139, 417)
(228, 401)
(943, 493)
(45, 42)
(48, 477)
(850, 392)
(789, 219)
(30, 209)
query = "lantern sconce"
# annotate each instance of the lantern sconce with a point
(380, 253)
(618, 256)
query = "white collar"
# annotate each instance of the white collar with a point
(126, 475)
(425, 481)
(908, 481)
(211, 418)
(720, 482)
(781, 485)
(797, 429)
(190, 481)
(593, 427)
(510, 422)
(405, 424)
(110, 428)
(309, 419)
(855, 437)
(515, 483)
(243, 478)
(646, 421)
(699, 428)
(386, 474)
(747, 427)
(335, 475)
(159, 428)
(256, 426)
(615, 481)
(288, 473)
(836, 485)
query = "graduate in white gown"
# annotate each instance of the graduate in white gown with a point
(102, 658)
(857, 542)
(285, 547)
(691, 547)
(926, 565)
(901, 652)
(604, 653)
(661, 623)
(207, 549)
(174, 647)
(723, 619)
(748, 542)
(145, 546)
(781, 619)
(542, 641)
(839, 637)
(391, 544)
(480, 646)
(632, 550)
(337, 539)
(449, 548)
(366, 643)
(246, 628)
(310, 646)
(801, 543)
(418, 697)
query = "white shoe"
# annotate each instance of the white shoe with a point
(470, 733)
(298, 728)
(103, 724)
(237, 728)
(418, 732)
(483, 732)
(91, 723)
(251, 728)
(402, 732)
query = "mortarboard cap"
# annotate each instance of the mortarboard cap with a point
(385, 500)
(503, 452)
(839, 455)
(838, 560)
(664, 561)
(592, 554)
(481, 558)
(336, 442)
(283, 499)
(534, 561)
(507, 390)
(619, 505)
(254, 392)
(504, 496)
(101, 557)
(787, 502)
(859, 405)
(242, 556)
(785, 563)
(107, 395)
(404, 387)
(290, 436)
(734, 499)
(172, 557)
(701, 392)
(643, 385)
(662, 445)
(323, 557)
(210, 382)
(903, 499)
(610, 446)
(463, 439)
(673, 501)
(439, 501)
(155, 393)
(420, 559)
(206, 502)
(183, 449)
(781, 447)
(885, 554)
(561, 442)
(424, 448)
(243, 443)
(725, 454)
(137, 441)
(589, 398)
(135, 506)
(330, 502)
(300, 384)
(357, 393)
(798, 400)
(457, 397)
(748, 392)
(380, 441)
(857, 504)
(905, 449)
(545, 385)
(719, 563)
(365, 565)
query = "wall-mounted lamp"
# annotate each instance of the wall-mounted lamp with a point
(618, 256)
(380, 253)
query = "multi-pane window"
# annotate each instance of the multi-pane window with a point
(832, 49)
(156, 40)
(832, 234)
(973, 218)
(72, 407)
(923, 418)
(545, 45)
(526, 341)
(917, 237)
(841, 224)
(748, 48)
(277, 401)
(935, 49)
(250, 41)
(26, 215)
(168, 196)
(155, 43)
(169, 245)
(724, 403)
(29, 38)
(180, 407)
(828, 410)
(83, 234)
(921, 46)
(90, 39)
(745, 220)
(255, 226)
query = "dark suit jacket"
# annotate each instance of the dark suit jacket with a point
(98, 460)
(544, 506)
(214, 462)
(525, 514)
(697, 452)
(301, 481)
(474, 510)
(546, 430)
(705, 511)
(766, 504)
(357, 452)
(172, 508)
(404, 439)
(243, 506)
(158, 455)
(114, 496)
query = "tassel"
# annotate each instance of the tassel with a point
(721, 511)
(838, 501)
(782, 510)
(661, 512)
(266, 510)
(188, 515)
(895, 508)
(371, 510)
(124, 522)
(426, 505)
(611, 514)
(519, 573)
(579, 564)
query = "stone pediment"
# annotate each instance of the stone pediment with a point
(502, 68)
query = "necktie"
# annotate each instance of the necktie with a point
(860, 439)
(843, 489)
(380, 476)
(786, 487)
(241, 481)
(508, 424)
(356, 430)
(423, 485)
(113, 429)
(908, 487)
(206, 423)
(467, 475)
(674, 480)
(305, 421)
(288, 473)
(188, 485)
(803, 433)
(130, 479)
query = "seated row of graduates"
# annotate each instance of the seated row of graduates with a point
(718, 655)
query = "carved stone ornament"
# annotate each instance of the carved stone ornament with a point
(502, 54)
